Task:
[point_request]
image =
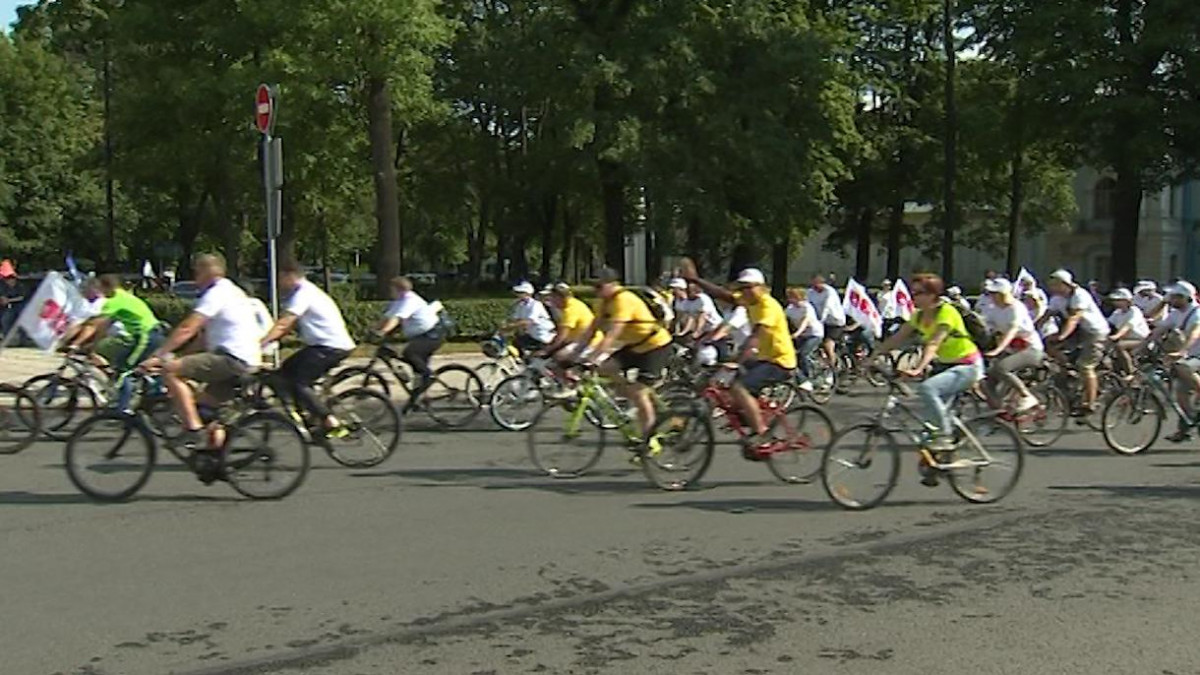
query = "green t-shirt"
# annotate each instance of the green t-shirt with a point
(958, 346)
(133, 313)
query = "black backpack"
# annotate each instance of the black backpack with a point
(976, 327)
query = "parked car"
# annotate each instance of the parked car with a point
(423, 278)
(185, 290)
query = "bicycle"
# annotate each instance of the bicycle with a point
(453, 397)
(1040, 427)
(566, 441)
(873, 445)
(517, 400)
(1145, 399)
(75, 389)
(505, 362)
(113, 453)
(20, 419)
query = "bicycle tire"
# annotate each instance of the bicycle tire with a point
(357, 377)
(832, 466)
(562, 451)
(825, 381)
(263, 434)
(118, 429)
(1054, 410)
(1128, 408)
(376, 426)
(683, 447)
(20, 420)
(805, 446)
(516, 402)
(991, 429)
(63, 401)
(452, 403)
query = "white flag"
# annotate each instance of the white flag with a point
(904, 300)
(861, 308)
(51, 311)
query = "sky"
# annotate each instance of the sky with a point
(8, 12)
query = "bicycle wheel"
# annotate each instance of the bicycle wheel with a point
(64, 402)
(562, 444)
(1044, 425)
(805, 431)
(516, 402)
(163, 421)
(680, 448)
(1132, 421)
(824, 381)
(454, 397)
(373, 423)
(986, 472)
(110, 456)
(860, 467)
(20, 420)
(491, 374)
(782, 394)
(357, 377)
(265, 456)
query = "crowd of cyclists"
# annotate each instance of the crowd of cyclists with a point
(955, 347)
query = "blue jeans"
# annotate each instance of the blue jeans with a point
(937, 391)
(805, 348)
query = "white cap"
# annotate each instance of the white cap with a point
(1145, 285)
(998, 285)
(524, 288)
(954, 291)
(1183, 288)
(752, 276)
(678, 284)
(1120, 294)
(1063, 276)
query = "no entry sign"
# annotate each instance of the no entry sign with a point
(264, 109)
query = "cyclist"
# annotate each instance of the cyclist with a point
(633, 338)
(1129, 327)
(1147, 298)
(1018, 338)
(1183, 317)
(944, 339)
(530, 319)
(700, 314)
(770, 337)
(327, 342)
(889, 308)
(732, 333)
(828, 305)
(421, 326)
(1085, 327)
(679, 300)
(954, 294)
(232, 350)
(139, 330)
(574, 319)
(807, 334)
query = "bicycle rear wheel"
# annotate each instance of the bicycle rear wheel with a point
(20, 420)
(991, 469)
(110, 456)
(357, 377)
(64, 402)
(265, 456)
(860, 467)
(563, 444)
(516, 402)
(805, 431)
(1132, 421)
(1044, 425)
(454, 397)
(373, 424)
(680, 448)
(824, 380)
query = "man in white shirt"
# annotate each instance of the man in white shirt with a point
(700, 314)
(1147, 298)
(1086, 324)
(419, 324)
(1185, 318)
(679, 298)
(531, 320)
(327, 342)
(827, 303)
(232, 350)
(1129, 327)
(807, 331)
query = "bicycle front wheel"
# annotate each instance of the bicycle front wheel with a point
(20, 420)
(563, 443)
(64, 402)
(805, 431)
(1132, 421)
(265, 456)
(110, 456)
(516, 402)
(680, 448)
(1044, 425)
(860, 467)
(372, 425)
(988, 461)
(454, 397)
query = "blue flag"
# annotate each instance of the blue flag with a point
(72, 268)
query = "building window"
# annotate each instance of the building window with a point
(1104, 199)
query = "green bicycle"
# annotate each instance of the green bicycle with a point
(566, 441)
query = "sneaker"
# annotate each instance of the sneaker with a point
(1027, 403)
(1181, 436)
(339, 431)
(806, 386)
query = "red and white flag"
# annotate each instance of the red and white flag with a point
(55, 307)
(860, 307)
(904, 300)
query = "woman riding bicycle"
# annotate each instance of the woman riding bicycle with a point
(1018, 344)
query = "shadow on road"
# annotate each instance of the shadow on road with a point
(500, 478)
(737, 506)
(20, 498)
(1166, 491)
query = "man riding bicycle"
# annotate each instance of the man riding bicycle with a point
(1084, 329)
(326, 341)
(832, 314)
(1181, 326)
(421, 326)
(141, 331)
(574, 320)
(534, 329)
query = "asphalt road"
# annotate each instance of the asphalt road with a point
(455, 558)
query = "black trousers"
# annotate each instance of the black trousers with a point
(418, 351)
(304, 368)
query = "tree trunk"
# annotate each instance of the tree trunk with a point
(1016, 200)
(476, 241)
(189, 228)
(568, 243)
(862, 249)
(1126, 224)
(326, 268)
(383, 168)
(520, 261)
(549, 216)
(693, 242)
(745, 254)
(895, 229)
(951, 144)
(780, 257)
(612, 191)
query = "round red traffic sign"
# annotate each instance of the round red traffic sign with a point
(264, 109)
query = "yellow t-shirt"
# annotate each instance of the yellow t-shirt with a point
(641, 332)
(774, 335)
(958, 346)
(575, 319)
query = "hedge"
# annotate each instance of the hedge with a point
(474, 319)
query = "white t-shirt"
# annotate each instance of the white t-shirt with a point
(233, 326)
(1041, 301)
(1147, 303)
(541, 325)
(1133, 317)
(739, 326)
(704, 307)
(828, 304)
(797, 313)
(1185, 320)
(1002, 319)
(888, 307)
(416, 316)
(1093, 320)
(984, 304)
(320, 321)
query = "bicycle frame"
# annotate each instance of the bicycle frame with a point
(592, 390)
(896, 402)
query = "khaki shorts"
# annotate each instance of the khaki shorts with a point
(219, 373)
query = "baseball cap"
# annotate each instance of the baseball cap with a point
(1120, 294)
(752, 276)
(954, 291)
(524, 287)
(998, 285)
(1183, 288)
(1063, 276)
(1145, 285)
(678, 284)
(607, 275)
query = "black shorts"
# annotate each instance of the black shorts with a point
(651, 366)
(834, 333)
(758, 375)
